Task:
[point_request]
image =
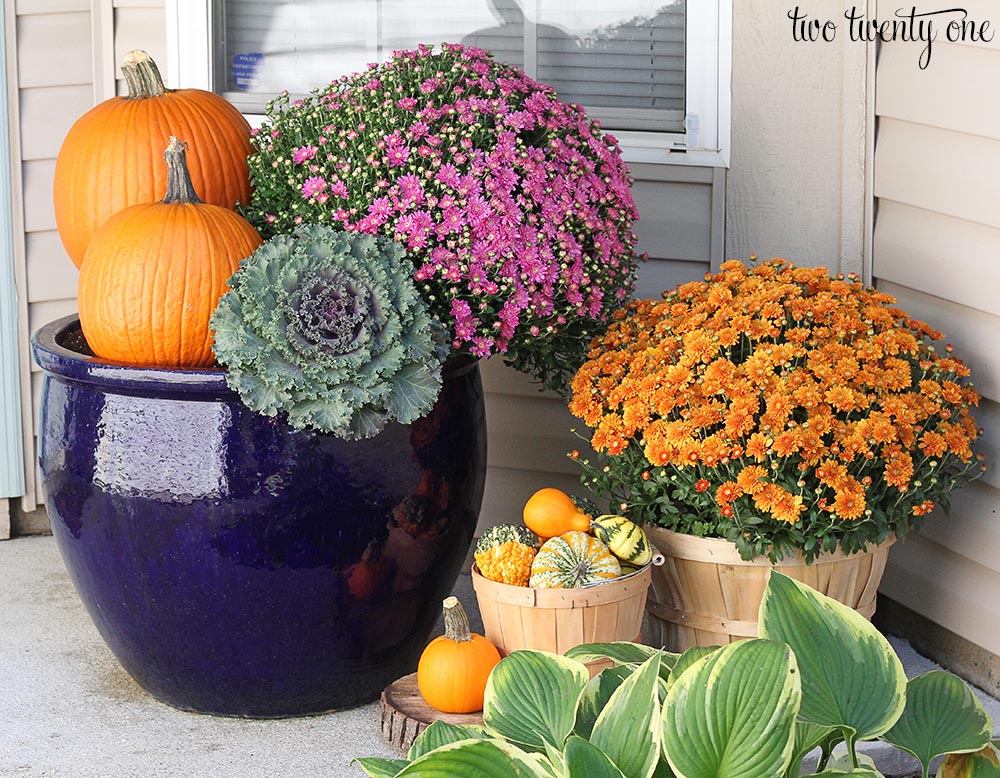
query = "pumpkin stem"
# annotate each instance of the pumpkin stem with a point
(456, 621)
(142, 76)
(179, 186)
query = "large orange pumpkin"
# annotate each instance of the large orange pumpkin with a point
(110, 157)
(154, 273)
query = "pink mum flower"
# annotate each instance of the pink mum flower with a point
(303, 154)
(313, 186)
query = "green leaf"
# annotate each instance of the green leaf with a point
(628, 729)
(531, 698)
(596, 695)
(414, 392)
(968, 766)
(712, 721)
(440, 733)
(851, 677)
(481, 758)
(807, 737)
(622, 652)
(584, 759)
(942, 716)
(841, 765)
(380, 768)
(688, 658)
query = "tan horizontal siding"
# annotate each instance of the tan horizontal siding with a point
(51, 273)
(938, 170)
(971, 530)
(675, 219)
(947, 588)
(948, 94)
(47, 113)
(25, 7)
(140, 26)
(54, 50)
(973, 333)
(914, 246)
(37, 177)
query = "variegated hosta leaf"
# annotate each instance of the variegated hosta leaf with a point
(380, 768)
(983, 764)
(713, 725)
(622, 652)
(851, 677)
(942, 716)
(584, 759)
(596, 696)
(628, 729)
(441, 733)
(531, 698)
(807, 737)
(688, 658)
(480, 758)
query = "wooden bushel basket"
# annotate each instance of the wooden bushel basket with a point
(558, 619)
(706, 595)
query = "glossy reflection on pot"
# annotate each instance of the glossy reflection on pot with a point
(235, 565)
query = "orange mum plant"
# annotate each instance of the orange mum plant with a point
(779, 408)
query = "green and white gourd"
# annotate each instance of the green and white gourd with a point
(625, 539)
(572, 560)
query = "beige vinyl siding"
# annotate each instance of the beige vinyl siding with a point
(937, 239)
(54, 86)
(61, 47)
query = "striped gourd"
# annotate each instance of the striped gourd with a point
(625, 539)
(572, 560)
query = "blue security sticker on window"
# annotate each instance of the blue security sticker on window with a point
(245, 67)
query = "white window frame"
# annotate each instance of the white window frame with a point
(190, 62)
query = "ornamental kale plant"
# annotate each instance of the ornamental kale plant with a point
(514, 208)
(327, 327)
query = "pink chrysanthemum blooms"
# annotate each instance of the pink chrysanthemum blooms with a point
(313, 186)
(514, 208)
(303, 154)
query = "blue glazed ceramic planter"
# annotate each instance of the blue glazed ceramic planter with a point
(237, 566)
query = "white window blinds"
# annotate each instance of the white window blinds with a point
(624, 61)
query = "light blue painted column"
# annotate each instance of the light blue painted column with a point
(11, 451)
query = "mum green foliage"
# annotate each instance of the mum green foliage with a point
(328, 328)
(821, 677)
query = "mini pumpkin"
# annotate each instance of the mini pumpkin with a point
(454, 668)
(109, 158)
(551, 512)
(154, 274)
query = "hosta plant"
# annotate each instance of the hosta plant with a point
(327, 327)
(514, 208)
(820, 676)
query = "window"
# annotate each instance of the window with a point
(654, 71)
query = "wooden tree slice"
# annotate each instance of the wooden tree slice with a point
(405, 714)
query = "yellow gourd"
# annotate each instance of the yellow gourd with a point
(550, 512)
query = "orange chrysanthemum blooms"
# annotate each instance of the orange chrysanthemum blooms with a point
(776, 392)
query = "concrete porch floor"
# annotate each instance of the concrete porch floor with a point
(68, 709)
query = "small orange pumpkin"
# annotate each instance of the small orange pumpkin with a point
(109, 158)
(154, 273)
(453, 669)
(550, 512)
